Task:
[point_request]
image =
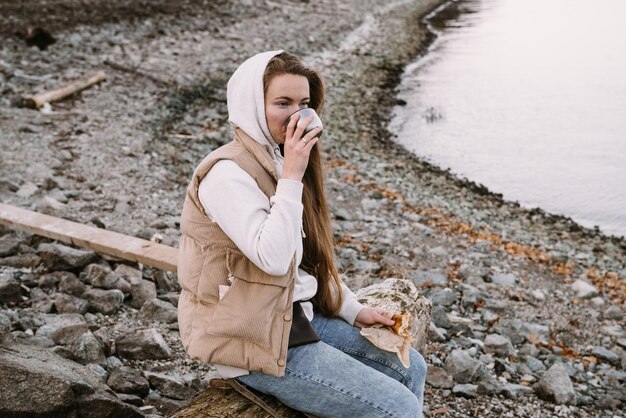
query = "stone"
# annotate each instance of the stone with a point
(68, 334)
(472, 296)
(10, 289)
(142, 344)
(437, 377)
(519, 332)
(111, 281)
(35, 382)
(555, 386)
(88, 349)
(504, 279)
(104, 301)
(444, 297)
(538, 295)
(513, 390)
(128, 380)
(113, 363)
(498, 345)
(99, 371)
(62, 257)
(614, 312)
(70, 284)
(584, 289)
(54, 323)
(605, 355)
(70, 304)
(128, 273)
(166, 281)
(163, 405)
(428, 278)
(158, 310)
(170, 386)
(9, 244)
(462, 367)
(533, 363)
(142, 292)
(20, 261)
(465, 390)
(94, 272)
(130, 399)
(440, 317)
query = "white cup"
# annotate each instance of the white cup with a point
(305, 113)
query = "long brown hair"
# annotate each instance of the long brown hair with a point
(318, 257)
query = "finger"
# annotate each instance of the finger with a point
(384, 320)
(300, 129)
(313, 133)
(309, 144)
(291, 126)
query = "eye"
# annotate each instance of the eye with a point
(282, 104)
(303, 105)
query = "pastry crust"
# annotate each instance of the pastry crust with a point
(396, 338)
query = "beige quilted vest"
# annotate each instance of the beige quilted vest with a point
(249, 327)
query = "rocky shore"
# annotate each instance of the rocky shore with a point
(528, 308)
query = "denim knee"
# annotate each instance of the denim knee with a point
(407, 407)
(417, 372)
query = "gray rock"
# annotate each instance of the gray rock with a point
(55, 323)
(163, 405)
(518, 331)
(10, 289)
(498, 345)
(99, 371)
(70, 304)
(70, 284)
(158, 310)
(61, 257)
(170, 386)
(130, 399)
(5, 326)
(605, 355)
(142, 292)
(111, 281)
(68, 334)
(555, 385)
(440, 317)
(128, 273)
(128, 380)
(472, 296)
(437, 377)
(49, 385)
(428, 278)
(166, 281)
(462, 367)
(9, 245)
(465, 390)
(584, 289)
(504, 279)
(95, 272)
(533, 363)
(396, 295)
(142, 344)
(513, 390)
(104, 301)
(88, 349)
(444, 297)
(113, 363)
(614, 312)
(438, 251)
(21, 261)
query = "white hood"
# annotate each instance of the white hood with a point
(246, 101)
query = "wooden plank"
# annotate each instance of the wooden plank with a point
(100, 240)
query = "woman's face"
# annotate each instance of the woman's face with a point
(285, 94)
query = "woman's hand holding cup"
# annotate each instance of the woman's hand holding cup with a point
(298, 146)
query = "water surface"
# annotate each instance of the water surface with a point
(527, 97)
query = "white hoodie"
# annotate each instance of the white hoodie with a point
(269, 233)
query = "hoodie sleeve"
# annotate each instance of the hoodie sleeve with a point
(266, 231)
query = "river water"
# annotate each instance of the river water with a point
(527, 97)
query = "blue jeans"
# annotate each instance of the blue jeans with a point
(344, 375)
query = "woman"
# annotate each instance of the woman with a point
(261, 297)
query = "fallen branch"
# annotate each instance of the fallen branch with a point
(36, 101)
(100, 240)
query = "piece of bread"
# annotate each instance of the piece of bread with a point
(396, 338)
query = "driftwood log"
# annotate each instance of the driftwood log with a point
(38, 100)
(393, 294)
(227, 403)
